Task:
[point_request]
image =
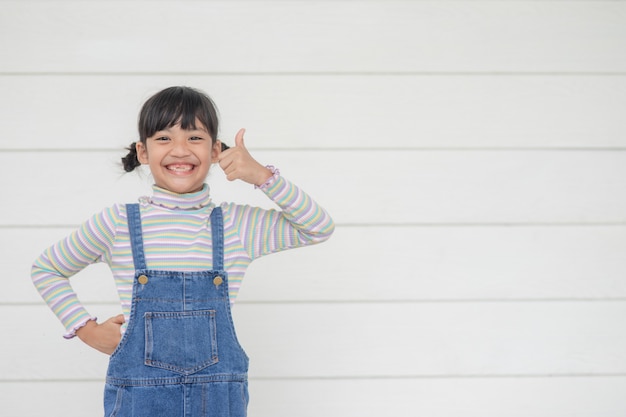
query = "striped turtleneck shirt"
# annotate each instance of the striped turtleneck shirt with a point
(177, 237)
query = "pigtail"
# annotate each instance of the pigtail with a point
(130, 161)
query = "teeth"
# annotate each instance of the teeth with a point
(180, 168)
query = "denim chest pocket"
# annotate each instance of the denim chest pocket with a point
(182, 341)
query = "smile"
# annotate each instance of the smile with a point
(180, 168)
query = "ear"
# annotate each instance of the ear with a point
(142, 153)
(216, 151)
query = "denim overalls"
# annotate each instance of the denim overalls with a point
(180, 355)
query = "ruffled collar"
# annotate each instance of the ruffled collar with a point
(169, 200)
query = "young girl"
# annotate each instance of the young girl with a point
(178, 260)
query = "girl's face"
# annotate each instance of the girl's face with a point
(179, 159)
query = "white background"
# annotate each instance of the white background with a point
(472, 154)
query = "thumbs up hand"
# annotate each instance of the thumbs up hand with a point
(238, 164)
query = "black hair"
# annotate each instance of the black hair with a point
(169, 107)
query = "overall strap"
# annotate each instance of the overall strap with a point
(136, 235)
(217, 233)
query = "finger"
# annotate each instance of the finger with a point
(230, 172)
(239, 138)
(225, 161)
(119, 319)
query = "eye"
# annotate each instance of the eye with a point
(161, 139)
(195, 138)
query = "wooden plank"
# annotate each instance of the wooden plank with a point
(367, 340)
(329, 111)
(357, 187)
(313, 36)
(473, 397)
(422, 263)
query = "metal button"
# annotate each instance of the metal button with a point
(143, 280)
(217, 281)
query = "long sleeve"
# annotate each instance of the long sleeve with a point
(299, 222)
(53, 268)
(175, 238)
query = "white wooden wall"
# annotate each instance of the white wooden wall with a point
(472, 153)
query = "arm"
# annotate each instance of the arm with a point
(301, 221)
(53, 268)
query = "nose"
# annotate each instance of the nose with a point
(180, 148)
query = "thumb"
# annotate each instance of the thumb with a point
(239, 138)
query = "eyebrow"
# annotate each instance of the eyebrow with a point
(169, 129)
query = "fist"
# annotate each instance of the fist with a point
(238, 164)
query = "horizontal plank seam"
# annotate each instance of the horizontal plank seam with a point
(315, 73)
(355, 149)
(387, 225)
(451, 376)
(358, 377)
(529, 300)
(484, 224)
